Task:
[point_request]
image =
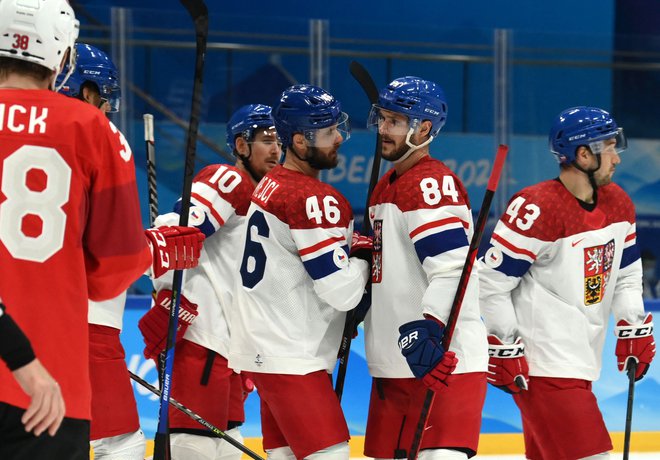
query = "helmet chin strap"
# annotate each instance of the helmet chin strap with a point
(245, 159)
(590, 173)
(412, 147)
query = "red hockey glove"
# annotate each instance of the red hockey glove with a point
(635, 342)
(154, 323)
(421, 344)
(361, 247)
(247, 385)
(507, 366)
(174, 248)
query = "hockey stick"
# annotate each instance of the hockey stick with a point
(462, 287)
(199, 14)
(216, 431)
(632, 370)
(151, 166)
(369, 87)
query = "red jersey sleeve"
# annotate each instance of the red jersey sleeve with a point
(116, 250)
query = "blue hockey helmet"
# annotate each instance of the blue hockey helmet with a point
(305, 109)
(416, 98)
(588, 126)
(95, 66)
(245, 120)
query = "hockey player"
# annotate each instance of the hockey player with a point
(296, 283)
(115, 428)
(422, 224)
(563, 257)
(69, 221)
(201, 380)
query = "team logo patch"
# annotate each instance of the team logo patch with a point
(493, 257)
(377, 254)
(196, 216)
(340, 257)
(597, 271)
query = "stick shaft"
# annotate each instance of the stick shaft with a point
(367, 84)
(462, 287)
(632, 370)
(150, 146)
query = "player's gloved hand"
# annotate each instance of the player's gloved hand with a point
(421, 344)
(154, 323)
(174, 248)
(635, 342)
(507, 366)
(247, 385)
(361, 247)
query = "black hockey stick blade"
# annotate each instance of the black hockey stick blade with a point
(197, 9)
(631, 371)
(364, 79)
(216, 431)
(479, 227)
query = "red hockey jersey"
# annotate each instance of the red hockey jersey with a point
(70, 230)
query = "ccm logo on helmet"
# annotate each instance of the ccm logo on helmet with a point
(408, 340)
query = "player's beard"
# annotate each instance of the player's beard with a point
(318, 160)
(605, 179)
(397, 153)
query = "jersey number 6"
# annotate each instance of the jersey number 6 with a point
(253, 265)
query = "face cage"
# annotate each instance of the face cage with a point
(598, 147)
(325, 137)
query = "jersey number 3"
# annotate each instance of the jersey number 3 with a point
(38, 207)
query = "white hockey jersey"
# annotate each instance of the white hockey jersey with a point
(219, 202)
(108, 312)
(296, 280)
(422, 227)
(553, 273)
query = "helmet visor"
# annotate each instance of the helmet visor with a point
(616, 144)
(112, 95)
(388, 122)
(327, 137)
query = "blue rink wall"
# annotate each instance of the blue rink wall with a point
(500, 414)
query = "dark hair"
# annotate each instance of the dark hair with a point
(10, 66)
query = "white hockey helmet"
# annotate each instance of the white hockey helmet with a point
(39, 31)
